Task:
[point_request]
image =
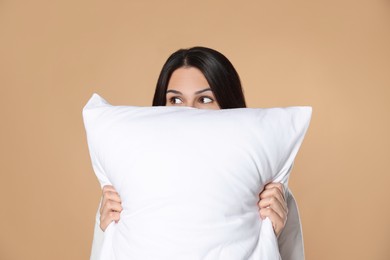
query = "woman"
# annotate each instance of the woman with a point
(204, 78)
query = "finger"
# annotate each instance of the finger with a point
(277, 185)
(111, 195)
(272, 193)
(109, 210)
(111, 205)
(275, 205)
(277, 222)
(108, 188)
(112, 216)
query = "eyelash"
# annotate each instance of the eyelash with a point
(171, 100)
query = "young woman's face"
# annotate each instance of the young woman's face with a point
(188, 87)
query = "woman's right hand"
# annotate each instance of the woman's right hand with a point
(110, 207)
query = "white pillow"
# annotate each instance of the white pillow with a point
(189, 178)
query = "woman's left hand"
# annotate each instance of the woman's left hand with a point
(273, 205)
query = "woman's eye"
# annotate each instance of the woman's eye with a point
(206, 100)
(173, 100)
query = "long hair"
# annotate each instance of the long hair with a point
(219, 72)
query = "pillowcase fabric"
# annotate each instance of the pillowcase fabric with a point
(189, 179)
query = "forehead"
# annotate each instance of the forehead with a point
(187, 79)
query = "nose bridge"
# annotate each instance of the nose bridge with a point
(192, 103)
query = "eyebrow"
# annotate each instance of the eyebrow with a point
(197, 92)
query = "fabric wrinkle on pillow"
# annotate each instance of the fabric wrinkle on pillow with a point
(189, 178)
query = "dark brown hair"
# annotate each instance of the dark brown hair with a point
(217, 69)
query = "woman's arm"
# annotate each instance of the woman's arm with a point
(290, 239)
(273, 205)
(109, 210)
(280, 207)
(98, 235)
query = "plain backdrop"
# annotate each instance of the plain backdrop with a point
(331, 55)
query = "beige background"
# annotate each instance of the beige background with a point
(332, 55)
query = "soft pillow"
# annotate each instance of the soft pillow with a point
(189, 179)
